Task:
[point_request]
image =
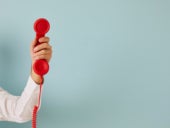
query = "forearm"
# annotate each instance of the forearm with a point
(19, 108)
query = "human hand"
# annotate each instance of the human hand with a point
(41, 51)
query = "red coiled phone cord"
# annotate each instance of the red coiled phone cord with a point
(36, 107)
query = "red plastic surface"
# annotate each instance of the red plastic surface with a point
(41, 27)
(41, 67)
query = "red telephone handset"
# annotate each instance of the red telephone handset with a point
(40, 67)
(41, 27)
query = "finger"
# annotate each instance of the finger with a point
(33, 44)
(44, 40)
(42, 46)
(42, 52)
(45, 57)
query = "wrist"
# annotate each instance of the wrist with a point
(36, 78)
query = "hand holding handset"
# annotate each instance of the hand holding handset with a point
(40, 67)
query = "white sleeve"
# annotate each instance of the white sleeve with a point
(19, 108)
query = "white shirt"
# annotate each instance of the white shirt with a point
(19, 108)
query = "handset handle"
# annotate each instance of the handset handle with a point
(41, 27)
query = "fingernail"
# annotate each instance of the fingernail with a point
(39, 40)
(35, 49)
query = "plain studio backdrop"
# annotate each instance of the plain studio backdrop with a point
(110, 66)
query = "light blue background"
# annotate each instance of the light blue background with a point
(110, 65)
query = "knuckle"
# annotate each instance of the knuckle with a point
(43, 56)
(48, 39)
(43, 51)
(45, 45)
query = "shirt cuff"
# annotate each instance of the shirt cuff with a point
(31, 85)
